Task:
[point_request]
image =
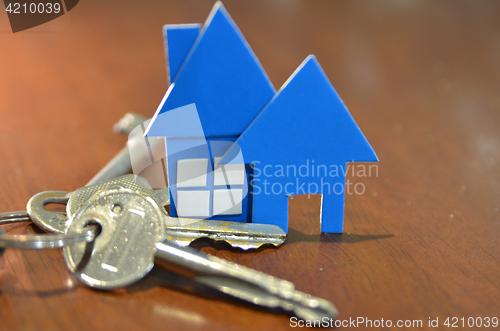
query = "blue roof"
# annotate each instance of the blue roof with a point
(306, 120)
(222, 76)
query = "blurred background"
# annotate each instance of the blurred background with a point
(387, 59)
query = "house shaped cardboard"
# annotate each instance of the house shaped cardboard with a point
(236, 149)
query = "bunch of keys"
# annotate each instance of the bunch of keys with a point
(116, 230)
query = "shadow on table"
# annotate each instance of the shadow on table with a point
(295, 236)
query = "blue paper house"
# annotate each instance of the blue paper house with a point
(236, 149)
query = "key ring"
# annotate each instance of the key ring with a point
(14, 216)
(86, 234)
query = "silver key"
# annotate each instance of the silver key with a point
(241, 235)
(181, 230)
(184, 230)
(131, 241)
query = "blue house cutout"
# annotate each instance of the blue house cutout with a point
(236, 148)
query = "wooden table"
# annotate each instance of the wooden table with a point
(422, 81)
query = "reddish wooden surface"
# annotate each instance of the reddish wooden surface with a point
(420, 78)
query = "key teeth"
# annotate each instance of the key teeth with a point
(233, 243)
(243, 239)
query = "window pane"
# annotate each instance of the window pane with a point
(228, 202)
(235, 173)
(193, 204)
(192, 173)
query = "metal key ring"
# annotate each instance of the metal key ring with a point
(86, 234)
(14, 216)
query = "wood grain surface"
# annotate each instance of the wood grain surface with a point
(422, 80)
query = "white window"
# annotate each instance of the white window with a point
(228, 202)
(193, 203)
(192, 173)
(228, 174)
(199, 198)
